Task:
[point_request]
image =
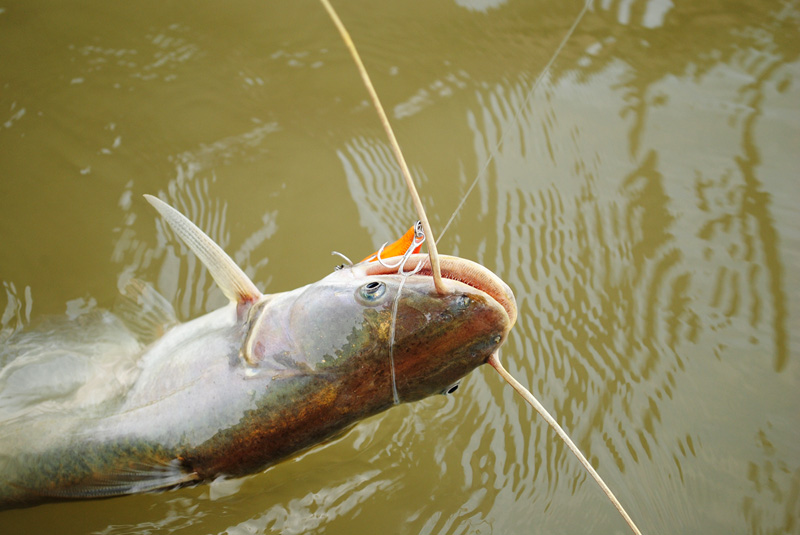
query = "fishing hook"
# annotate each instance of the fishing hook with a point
(405, 273)
(419, 239)
(349, 262)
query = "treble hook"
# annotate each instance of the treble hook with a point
(349, 262)
(417, 241)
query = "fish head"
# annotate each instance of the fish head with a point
(365, 325)
(394, 333)
(440, 338)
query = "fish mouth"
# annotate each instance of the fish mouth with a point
(457, 269)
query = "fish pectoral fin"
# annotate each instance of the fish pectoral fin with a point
(144, 311)
(230, 278)
(132, 479)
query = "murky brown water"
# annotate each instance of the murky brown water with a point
(643, 205)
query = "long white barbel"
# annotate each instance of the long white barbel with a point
(433, 253)
(494, 362)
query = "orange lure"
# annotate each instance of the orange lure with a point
(397, 248)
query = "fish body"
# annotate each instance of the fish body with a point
(243, 387)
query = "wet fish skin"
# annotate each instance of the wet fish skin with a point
(307, 407)
(199, 410)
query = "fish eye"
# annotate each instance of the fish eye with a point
(451, 389)
(372, 292)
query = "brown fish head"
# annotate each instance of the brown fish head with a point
(394, 333)
(440, 338)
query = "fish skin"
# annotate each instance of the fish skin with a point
(199, 410)
(309, 407)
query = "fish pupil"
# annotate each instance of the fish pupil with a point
(372, 291)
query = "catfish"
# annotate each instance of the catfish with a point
(239, 389)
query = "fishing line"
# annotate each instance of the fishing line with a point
(494, 360)
(433, 256)
(405, 274)
(515, 118)
(391, 339)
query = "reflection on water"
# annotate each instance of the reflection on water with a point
(316, 509)
(642, 205)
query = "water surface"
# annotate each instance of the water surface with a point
(641, 200)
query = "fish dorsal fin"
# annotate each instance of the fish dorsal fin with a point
(229, 277)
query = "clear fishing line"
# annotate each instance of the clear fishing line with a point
(405, 274)
(494, 360)
(514, 120)
(391, 338)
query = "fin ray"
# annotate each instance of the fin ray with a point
(230, 278)
(144, 311)
(131, 480)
